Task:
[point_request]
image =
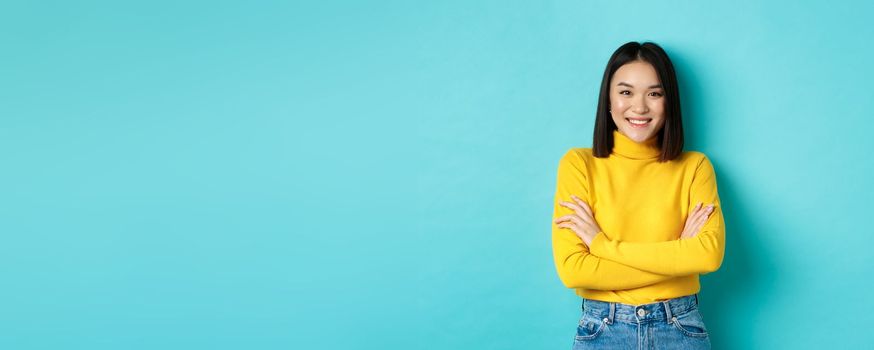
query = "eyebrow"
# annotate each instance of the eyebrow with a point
(629, 85)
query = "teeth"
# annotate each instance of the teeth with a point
(638, 122)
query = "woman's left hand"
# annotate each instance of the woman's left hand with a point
(582, 222)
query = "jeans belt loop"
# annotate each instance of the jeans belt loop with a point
(668, 310)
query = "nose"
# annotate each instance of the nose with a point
(639, 107)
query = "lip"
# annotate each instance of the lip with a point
(639, 126)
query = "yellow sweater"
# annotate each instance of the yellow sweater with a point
(641, 206)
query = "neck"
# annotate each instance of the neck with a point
(628, 148)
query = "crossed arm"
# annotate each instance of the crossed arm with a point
(604, 264)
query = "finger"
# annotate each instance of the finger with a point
(693, 218)
(577, 209)
(690, 231)
(693, 229)
(565, 225)
(699, 224)
(693, 213)
(571, 219)
(584, 205)
(578, 221)
(702, 220)
(706, 218)
(571, 205)
(563, 218)
(696, 230)
(694, 221)
(569, 227)
(702, 212)
(706, 211)
(701, 216)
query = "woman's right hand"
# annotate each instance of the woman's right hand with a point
(696, 220)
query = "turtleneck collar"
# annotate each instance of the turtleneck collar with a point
(626, 147)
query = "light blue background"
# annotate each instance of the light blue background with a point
(274, 175)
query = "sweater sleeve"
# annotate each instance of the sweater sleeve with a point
(701, 254)
(576, 267)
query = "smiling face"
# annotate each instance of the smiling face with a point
(637, 102)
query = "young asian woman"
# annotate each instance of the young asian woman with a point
(637, 219)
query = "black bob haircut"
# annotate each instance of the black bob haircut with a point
(670, 137)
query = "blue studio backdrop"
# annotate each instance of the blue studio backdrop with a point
(380, 175)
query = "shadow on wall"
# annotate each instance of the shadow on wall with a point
(743, 279)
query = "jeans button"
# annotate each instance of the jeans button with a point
(641, 312)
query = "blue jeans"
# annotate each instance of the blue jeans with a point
(669, 324)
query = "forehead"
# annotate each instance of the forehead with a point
(638, 73)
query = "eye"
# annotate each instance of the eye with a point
(656, 93)
(624, 92)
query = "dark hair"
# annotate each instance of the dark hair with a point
(670, 137)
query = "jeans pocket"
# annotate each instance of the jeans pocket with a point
(589, 327)
(690, 324)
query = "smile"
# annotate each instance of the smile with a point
(638, 123)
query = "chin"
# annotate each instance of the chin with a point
(639, 135)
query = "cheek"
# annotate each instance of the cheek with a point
(658, 106)
(620, 105)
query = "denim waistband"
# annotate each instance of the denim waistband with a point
(662, 310)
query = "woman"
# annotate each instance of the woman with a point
(636, 218)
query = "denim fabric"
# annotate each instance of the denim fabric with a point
(670, 324)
